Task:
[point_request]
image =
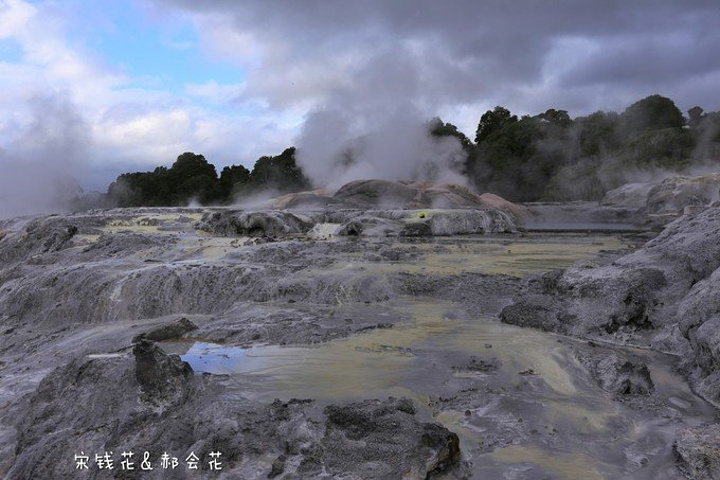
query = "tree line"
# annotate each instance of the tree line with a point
(193, 178)
(549, 156)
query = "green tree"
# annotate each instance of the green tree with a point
(280, 173)
(597, 133)
(492, 121)
(438, 128)
(192, 176)
(234, 180)
(560, 118)
(651, 113)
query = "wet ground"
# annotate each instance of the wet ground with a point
(522, 401)
(519, 399)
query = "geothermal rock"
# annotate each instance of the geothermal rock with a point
(369, 225)
(90, 406)
(622, 376)
(635, 299)
(490, 200)
(312, 200)
(161, 377)
(536, 311)
(369, 194)
(386, 194)
(698, 451)
(674, 194)
(270, 223)
(630, 195)
(417, 223)
(168, 332)
(386, 438)
(463, 222)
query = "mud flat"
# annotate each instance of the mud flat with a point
(356, 344)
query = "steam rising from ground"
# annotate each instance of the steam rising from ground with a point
(38, 163)
(376, 126)
(334, 149)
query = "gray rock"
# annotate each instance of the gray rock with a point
(706, 341)
(698, 452)
(648, 298)
(623, 376)
(420, 223)
(385, 437)
(99, 405)
(261, 223)
(674, 194)
(464, 222)
(373, 194)
(169, 331)
(533, 311)
(162, 378)
(630, 195)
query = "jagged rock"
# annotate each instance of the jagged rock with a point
(623, 376)
(674, 194)
(262, 223)
(698, 451)
(707, 344)
(169, 331)
(699, 322)
(663, 296)
(387, 440)
(162, 377)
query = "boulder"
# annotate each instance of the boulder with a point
(674, 194)
(161, 377)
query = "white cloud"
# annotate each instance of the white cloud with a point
(129, 122)
(214, 92)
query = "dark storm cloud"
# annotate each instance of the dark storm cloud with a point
(376, 70)
(474, 50)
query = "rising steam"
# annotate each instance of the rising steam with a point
(40, 160)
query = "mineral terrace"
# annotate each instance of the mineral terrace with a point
(384, 331)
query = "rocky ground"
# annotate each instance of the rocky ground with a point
(90, 301)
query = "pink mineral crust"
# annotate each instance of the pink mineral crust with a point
(407, 195)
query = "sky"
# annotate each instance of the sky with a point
(93, 89)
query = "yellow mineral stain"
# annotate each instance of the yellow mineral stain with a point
(516, 257)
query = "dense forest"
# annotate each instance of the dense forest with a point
(193, 179)
(549, 156)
